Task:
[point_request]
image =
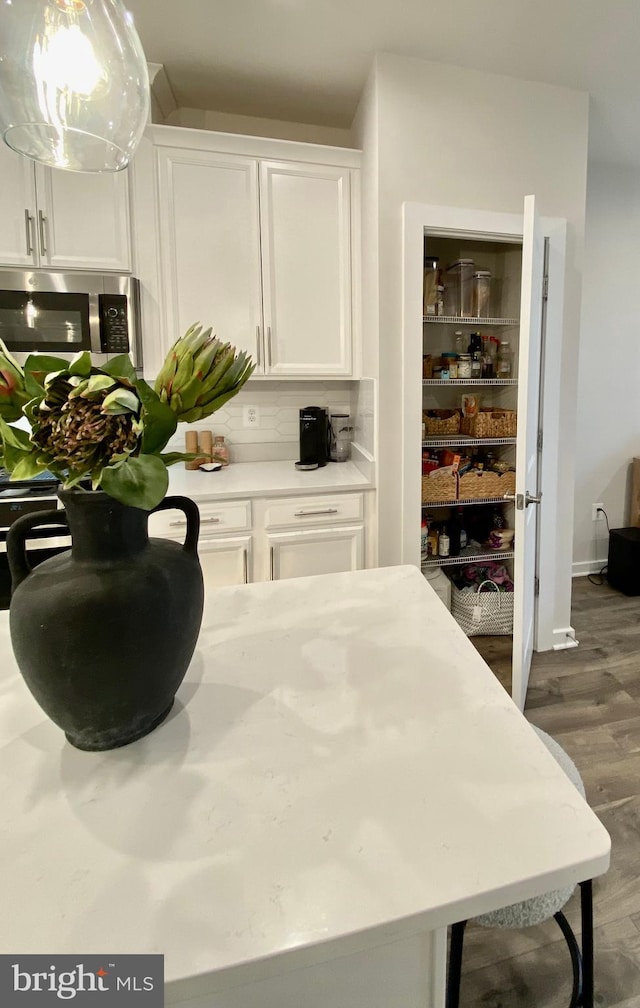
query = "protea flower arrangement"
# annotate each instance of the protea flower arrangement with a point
(106, 427)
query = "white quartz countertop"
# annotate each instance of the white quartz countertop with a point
(264, 479)
(340, 770)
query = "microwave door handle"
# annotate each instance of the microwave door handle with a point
(95, 326)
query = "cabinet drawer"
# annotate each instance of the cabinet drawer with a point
(317, 510)
(228, 516)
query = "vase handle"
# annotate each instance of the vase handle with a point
(19, 565)
(191, 513)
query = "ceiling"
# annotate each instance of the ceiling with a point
(307, 60)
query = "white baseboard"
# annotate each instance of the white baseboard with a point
(583, 567)
(564, 638)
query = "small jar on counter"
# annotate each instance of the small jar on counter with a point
(220, 451)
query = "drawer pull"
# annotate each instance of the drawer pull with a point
(245, 566)
(203, 521)
(318, 511)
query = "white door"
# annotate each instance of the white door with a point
(527, 452)
(306, 258)
(83, 220)
(210, 246)
(17, 210)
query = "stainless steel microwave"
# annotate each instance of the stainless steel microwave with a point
(62, 313)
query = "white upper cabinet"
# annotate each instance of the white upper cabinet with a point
(58, 219)
(306, 264)
(262, 251)
(210, 245)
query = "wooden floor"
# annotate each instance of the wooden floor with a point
(588, 698)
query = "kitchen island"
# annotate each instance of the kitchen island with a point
(341, 777)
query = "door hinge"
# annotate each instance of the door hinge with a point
(545, 286)
(536, 586)
(539, 440)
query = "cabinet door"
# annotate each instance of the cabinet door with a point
(306, 260)
(83, 220)
(315, 551)
(17, 209)
(210, 245)
(225, 561)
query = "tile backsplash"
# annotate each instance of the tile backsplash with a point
(276, 435)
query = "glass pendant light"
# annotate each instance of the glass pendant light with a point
(74, 87)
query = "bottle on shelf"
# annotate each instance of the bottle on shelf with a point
(475, 343)
(504, 362)
(444, 543)
(455, 532)
(459, 342)
(430, 284)
(424, 540)
(488, 357)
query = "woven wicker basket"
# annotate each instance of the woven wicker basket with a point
(490, 423)
(439, 485)
(480, 485)
(441, 421)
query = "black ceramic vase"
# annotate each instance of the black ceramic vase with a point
(103, 633)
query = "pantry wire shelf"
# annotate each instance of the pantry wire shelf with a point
(467, 556)
(459, 440)
(469, 320)
(470, 381)
(463, 503)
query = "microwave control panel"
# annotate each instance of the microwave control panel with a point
(114, 324)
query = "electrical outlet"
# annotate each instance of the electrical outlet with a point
(251, 416)
(596, 513)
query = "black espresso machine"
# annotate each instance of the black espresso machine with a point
(314, 437)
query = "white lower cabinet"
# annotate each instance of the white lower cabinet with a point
(271, 539)
(315, 551)
(225, 560)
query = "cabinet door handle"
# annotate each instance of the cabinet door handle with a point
(258, 343)
(203, 521)
(269, 345)
(245, 565)
(28, 222)
(319, 511)
(271, 564)
(42, 220)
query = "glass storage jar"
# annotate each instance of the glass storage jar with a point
(464, 365)
(459, 288)
(481, 294)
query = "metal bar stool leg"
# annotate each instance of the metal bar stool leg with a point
(576, 958)
(455, 964)
(586, 906)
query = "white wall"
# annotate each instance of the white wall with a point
(452, 136)
(608, 415)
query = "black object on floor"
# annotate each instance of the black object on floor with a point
(623, 568)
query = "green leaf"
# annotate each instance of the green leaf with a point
(39, 365)
(80, 365)
(27, 467)
(122, 400)
(158, 419)
(170, 458)
(140, 482)
(14, 437)
(121, 367)
(96, 383)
